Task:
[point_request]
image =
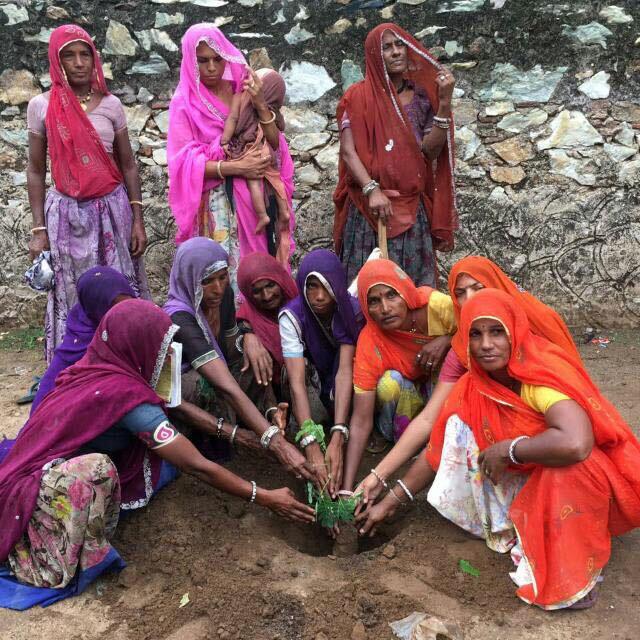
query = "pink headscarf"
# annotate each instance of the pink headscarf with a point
(196, 122)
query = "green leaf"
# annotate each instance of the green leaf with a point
(468, 568)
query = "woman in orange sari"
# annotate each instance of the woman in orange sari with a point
(406, 336)
(529, 455)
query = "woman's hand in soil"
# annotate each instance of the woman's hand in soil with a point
(284, 503)
(494, 460)
(258, 358)
(317, 463)
(38, 243)
(368, 521)
(433, 353)
(291, 459)
(371, 488)
(334, 458)
(380, 205)
(247, 439)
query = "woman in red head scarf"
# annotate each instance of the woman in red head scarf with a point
(530, 456)
(92, 214)
(396, 126)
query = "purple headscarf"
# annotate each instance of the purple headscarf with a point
(119, 372)
(347, 318)
(97, 289)
(195, 260)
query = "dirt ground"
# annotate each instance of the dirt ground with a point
(251, 576)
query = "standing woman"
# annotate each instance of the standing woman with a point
(92, 215)
(209, 195)
(396, 158)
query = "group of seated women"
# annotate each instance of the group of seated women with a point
(518, 445)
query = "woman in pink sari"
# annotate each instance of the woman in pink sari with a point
(208, 195)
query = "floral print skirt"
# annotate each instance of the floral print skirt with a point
(398, 401)
(84, 234)
(76, 514)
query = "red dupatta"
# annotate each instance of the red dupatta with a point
(387, 147)
(80, 166)
(262, 266)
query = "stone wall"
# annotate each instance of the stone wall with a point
(547, 111)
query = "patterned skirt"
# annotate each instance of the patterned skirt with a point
(76, 514)
(412, 250)
(84, 234)
(398, 401)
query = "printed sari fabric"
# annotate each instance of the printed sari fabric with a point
(564, 516)
(197, 121)
(386, 144)
(378, 350)
(543, 320)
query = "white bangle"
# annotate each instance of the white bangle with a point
(254, 491)
(512, 449)
(233, 435)
(306, 441)
(403, 486)
(380, 479)
(343, 429)
(240, 343)
(393, 493)
(268, 411)
(267, 436)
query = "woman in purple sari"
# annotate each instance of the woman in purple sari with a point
(319, 330)
(98, 289)
(94, 446)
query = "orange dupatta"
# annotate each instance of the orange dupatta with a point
(564, 516)
(380, 350)
(543, 320)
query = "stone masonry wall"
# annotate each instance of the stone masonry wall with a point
(547, 115)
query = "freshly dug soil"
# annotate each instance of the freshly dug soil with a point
(252, 576)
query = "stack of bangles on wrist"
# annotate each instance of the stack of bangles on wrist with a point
(267, 436)
(372, 185)
(399, 483)
(441, 123)
(311, 432)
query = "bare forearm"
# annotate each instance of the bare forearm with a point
(36, 191)
(132, 183)
(270, 130)
(359, 433)
(356, 169)
(343, 393)
(301, 407)
(552, 448)
(420, 474)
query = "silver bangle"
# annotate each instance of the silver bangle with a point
(269, 410)
(369, 187)
(343, 429)
(441, 125)
(254, 491)
(219, 428)
(443, 120)
(239, 343)
(232, 437)
(404, 487)
(512, 449)
(306, 441)
(393, 493)
(267, 436)
(380, 479)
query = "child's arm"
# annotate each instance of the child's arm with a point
(232, 119)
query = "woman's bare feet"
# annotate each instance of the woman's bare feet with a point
(263, 221)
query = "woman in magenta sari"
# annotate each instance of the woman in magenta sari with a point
(96, 445)
(208, 195)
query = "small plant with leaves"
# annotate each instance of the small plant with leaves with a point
(330, 512)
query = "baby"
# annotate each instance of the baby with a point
(242, 132)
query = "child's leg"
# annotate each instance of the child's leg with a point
(257, 200)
